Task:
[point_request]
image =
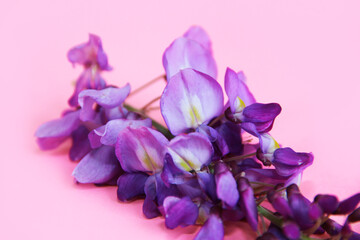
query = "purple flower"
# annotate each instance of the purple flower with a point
(98, 166)
(193, 50)
(107, 98)
(108, 133)
(213, 229)
(51, 134)
(89, 54)
(237, 91)
(141, 149)
(288, 162)
(179, 211)
(131, 185)
(92, 56)
(328, 203)
(226, 187)
(247, 202)
(190, 151)
(190, 99)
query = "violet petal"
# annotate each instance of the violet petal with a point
(150, 208)
(213, 229)
(226, 187)
(107, 98)
(178, 211)
(237, 90)
(108, 134)
(247, 202)
(231, 133)
(291, 230)
(81, 145)
(89, 53)
(190, 99)
(328, 203)
(190, 151)
(288, 162)
(141, 149)
(98, 166)
(131, 185)
(190, 51)
(198, 34)
(51, 134)
(348, 205)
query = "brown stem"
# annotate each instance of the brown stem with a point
(242, 157)
(149, 103)
(212, 123)
(163, 76)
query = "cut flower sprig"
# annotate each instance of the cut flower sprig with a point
(199, 169)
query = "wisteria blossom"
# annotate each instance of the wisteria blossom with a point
(213, 162)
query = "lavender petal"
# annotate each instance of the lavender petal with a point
(213, 229)
(98, 166)
(141, 149)
(190, 99)
(179, 211)
(131, 185)
(51, 134)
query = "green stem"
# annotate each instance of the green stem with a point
(270, 216)
(156, 124)
(304, 237)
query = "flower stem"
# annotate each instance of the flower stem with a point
(242, 157)
(156, 124)
(144, 108)
(269, 215)
(212, 123)
(162, 76)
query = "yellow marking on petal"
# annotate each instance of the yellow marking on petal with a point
(195, 116)
(239, 104)
(185, 166)
(147, 161)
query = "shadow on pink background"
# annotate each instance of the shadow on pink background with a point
(304, 55)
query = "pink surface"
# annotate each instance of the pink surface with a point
(304, 55)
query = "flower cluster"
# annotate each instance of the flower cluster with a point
(212, 163)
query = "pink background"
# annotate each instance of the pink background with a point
(303, 54)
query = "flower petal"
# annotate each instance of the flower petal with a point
(235, 88)
(288, 162)
(247, 202)
(348, 205)
(191, 51)
(89, 53)
(131, 185)
(107, 134)
(107, 98)
(213, 229)
(81, 145)
(190, 99)
(328, 203)
(89, 79)
(198, 34)
(141, 149)
(300, 207)
(231, 133)
(291, 230)
(226, 187)
(208, 184)
(98, 166)
(179, 211)
(217, 140)
(51, 134)
(150, 208)
(190, 151)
